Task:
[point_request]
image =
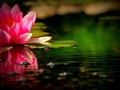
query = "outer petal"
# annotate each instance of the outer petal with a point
(31, 16)
(29, 20)
(2, 15)
(5, 7)
(4, 37)
(23, 39)
(40, 39)
(15, 11)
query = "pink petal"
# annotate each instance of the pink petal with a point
(15, 11)
(4, 37)
(31, 16)
(6, 7)
(1, 13)
(29, 20)
(40, 39)
(23, 39)
(15, 29)
(18, 17)
(2, 16)
(27, 26)
(4, 27)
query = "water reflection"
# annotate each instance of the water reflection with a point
(14, 63)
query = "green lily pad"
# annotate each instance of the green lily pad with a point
(62, 43)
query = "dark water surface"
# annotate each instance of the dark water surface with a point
(85, 55)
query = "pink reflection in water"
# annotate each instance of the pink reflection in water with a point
(14, 62)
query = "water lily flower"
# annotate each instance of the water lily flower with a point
(15, 29)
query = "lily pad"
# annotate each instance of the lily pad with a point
(63, 43)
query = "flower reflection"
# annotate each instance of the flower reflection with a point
(16, 61)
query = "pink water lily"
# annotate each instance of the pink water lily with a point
(14, 28)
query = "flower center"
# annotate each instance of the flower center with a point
(10, 22)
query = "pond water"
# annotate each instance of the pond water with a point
(84, 54)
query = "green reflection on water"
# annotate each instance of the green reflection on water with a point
(92, 35)
(85, 41)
